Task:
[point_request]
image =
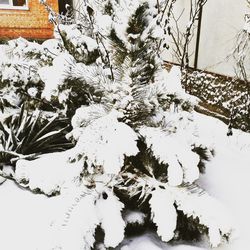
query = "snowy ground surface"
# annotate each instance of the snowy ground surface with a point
(26, 218)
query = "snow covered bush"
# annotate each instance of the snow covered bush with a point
(136, 148)
(19, 75)
(227, 95)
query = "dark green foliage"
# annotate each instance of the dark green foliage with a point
(38, 55)
(119, 46)
(167, 100)
(4, 41)
(108, 9)
(28, 134)
(87, 58)
(141, 54)
(32, 102)
(139, 58)
(138, 21)
(204, 154)
(80, 94)
(146, 163)
(4, 104)
(22, 90)
(189, 229)
(187, 106)
(145, 69)
(137, 116)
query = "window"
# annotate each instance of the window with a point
(4, 1)
(13, 3)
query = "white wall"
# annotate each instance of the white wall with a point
(181, 12)
(77, 4)
(221, 21)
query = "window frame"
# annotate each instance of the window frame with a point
(10, 6)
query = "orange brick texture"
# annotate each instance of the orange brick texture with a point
(31, 23)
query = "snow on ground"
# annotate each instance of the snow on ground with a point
(23, 218)
(26, 218)
(150, 241)
(227, 176)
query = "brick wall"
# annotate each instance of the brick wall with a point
(31, 23)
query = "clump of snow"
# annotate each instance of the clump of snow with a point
(32, 91)
(195, 204)
(134, 217)
(79, 40)
(85, 114)
(174, 150)
(100, 138)
(163, 213)
(90, 207)
(20, 60)
(34, 174)
(52, 46)
(170, 83)
(109, 212)
(103, 22)
(54, 76)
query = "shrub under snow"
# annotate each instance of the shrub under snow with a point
(135, 144)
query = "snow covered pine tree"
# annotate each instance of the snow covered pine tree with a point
(137, 153)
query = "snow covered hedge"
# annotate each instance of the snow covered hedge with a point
(226, 94)
(132, 142)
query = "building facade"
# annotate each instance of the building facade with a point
(25, 18)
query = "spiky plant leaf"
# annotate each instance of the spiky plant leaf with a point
(26, 133)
